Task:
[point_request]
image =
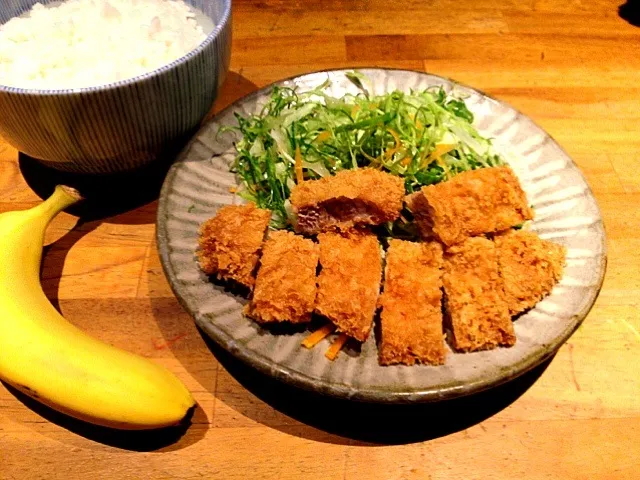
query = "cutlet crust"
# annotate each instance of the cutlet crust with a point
(365, 196)
(411, 317)
(474, 299)
(229, 243)
(285, 287)
(471, 203)
(529, 266)
(349, 282)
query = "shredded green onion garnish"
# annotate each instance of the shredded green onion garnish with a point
(424, 137)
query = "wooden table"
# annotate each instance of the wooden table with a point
(572, 65)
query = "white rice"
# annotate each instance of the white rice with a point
(84, 43)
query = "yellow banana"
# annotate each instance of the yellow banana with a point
(49, 359)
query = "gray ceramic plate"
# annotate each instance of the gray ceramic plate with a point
(566, 212)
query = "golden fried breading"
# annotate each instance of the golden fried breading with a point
(411, 317)
(475, 297)
(529, 266)
(230, 242)
(349, 282)
(471, 203)
(351, 197)
(286, 282)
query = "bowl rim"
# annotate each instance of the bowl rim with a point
(220, 26)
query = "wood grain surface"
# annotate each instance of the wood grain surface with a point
(572, 65)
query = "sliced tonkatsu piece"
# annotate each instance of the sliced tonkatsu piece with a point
(349, 281)
(529, 266)
(229, 243)
(365, 196)
(474, 298)
(285, 287)
(411, 317)
(471, 203)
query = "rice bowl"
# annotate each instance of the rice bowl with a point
(84, 43)
(124, 125)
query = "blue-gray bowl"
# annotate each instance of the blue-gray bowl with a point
(124, 125)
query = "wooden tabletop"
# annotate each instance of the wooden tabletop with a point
(573, 66)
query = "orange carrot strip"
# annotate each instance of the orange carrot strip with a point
(298, 167)
(440, 150)
(437, 153)
(398, 146)
(323, 136)
(317, 336)
(395, 136)
(336, 346)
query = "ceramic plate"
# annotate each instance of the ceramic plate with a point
(566, 212)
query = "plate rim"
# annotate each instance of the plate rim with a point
(374, 395)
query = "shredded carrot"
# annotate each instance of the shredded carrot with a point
(336, 346)
(323, 136)
(436, 154)
(417, 121)
(233, 189)
(395, 136)
(317, 336)
(440, 150)
(391, 152)
(299, 176)
(354, 110)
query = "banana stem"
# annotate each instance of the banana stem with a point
(61, 198)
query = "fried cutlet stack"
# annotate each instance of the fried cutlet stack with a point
(285, 287)
(350, 198)
(475, 299)
(486, 281)
(470, 262)
(349, 282)
(529, 266)
(230, 242)
(411, 316)
(471, 203)
(338, 209)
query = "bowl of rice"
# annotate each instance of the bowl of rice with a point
(107, 86)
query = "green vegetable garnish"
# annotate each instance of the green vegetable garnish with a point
(424, 137)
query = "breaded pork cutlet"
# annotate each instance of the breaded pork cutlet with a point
(529, 266)
(349, 282)
(365, 196)
(285, 287)
(411, 317)
(474, 297)
(471, 203)
(230, 242)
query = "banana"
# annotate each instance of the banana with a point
(52, 361)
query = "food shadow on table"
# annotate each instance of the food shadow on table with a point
(164, 439)
(104, 196)
(372, 424)
(630, 11)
